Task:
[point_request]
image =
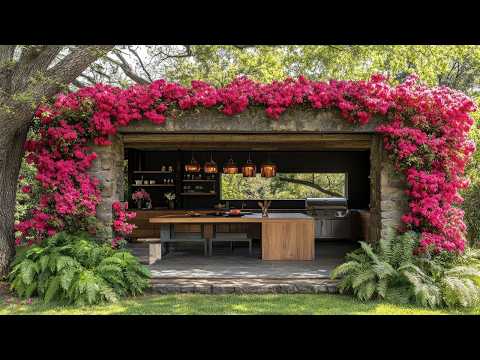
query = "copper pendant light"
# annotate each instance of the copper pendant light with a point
(210, 167)
(230, 167)
(268, 168)
(249, 169)
(193, 166)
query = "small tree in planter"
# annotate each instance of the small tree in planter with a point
(141, 197)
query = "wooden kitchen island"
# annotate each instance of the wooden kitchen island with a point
(285, 236)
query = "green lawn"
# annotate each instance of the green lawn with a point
(181, 304)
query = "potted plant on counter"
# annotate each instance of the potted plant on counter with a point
(141, 197)
(171, 200)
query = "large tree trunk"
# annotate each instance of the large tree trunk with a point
(25, 83)
(11, 153)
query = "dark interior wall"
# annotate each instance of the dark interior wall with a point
(355, 163)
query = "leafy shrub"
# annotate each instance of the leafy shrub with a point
(391, 271)
(454, 282)
(370, 273)
(471, 206)
(74, 269)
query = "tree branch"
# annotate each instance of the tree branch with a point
(90, 79)
(72, 66)
(134, 52)
(78, 84)
(6, 53)
(127, 69)
(241, 47)
(312, 185)
(188, 53)
(6, 62)
(35, 58)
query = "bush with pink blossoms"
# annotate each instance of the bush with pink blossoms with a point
(425, 133)
(121, 227)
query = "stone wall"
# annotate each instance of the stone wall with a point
(108, 168)
(388, 201)
(254, 120)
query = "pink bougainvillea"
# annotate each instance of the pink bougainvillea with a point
(121, 227)
(425, 132)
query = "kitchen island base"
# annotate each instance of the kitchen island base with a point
(288, 240)
(287, 236)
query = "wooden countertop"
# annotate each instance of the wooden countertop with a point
(251, 218)
(175, 211)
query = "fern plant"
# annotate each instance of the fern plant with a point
(372, 272)
(390, 270)
(453, 282)
(74, 269)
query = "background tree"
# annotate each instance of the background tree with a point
(28, 76)
(293, 186)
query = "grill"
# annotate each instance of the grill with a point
(327, 207)
(332, 217)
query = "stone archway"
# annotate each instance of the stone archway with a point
(387, 199)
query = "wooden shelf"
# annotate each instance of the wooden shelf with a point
(198, 194)
(153, 172)
(155, 185)
(200, 180)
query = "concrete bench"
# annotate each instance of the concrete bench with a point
(230, 237)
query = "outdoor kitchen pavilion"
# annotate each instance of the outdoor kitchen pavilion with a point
(203, 192)
(325, 136)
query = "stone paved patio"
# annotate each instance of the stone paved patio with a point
(187, 270)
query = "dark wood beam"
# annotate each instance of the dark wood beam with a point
(249, 141)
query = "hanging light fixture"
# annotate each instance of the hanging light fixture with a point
(230, 167)
(210, 167)
(249, 169)
(193, 166)
(268, 168)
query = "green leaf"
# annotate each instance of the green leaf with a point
(44, 260)
(28, 271)
(52, 290)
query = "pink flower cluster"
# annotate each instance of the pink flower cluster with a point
(425, 133)
(141, 195)
(121, 226)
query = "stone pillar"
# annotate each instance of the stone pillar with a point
(388, 200)
(108, 168)
(375, 193)
(394, 201)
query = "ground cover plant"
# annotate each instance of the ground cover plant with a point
(229, 304)
(390, 270)
(74, 269)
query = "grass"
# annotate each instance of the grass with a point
(186, 304)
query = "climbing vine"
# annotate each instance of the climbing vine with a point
(425, 133)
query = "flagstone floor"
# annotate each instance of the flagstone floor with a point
(188, 262)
